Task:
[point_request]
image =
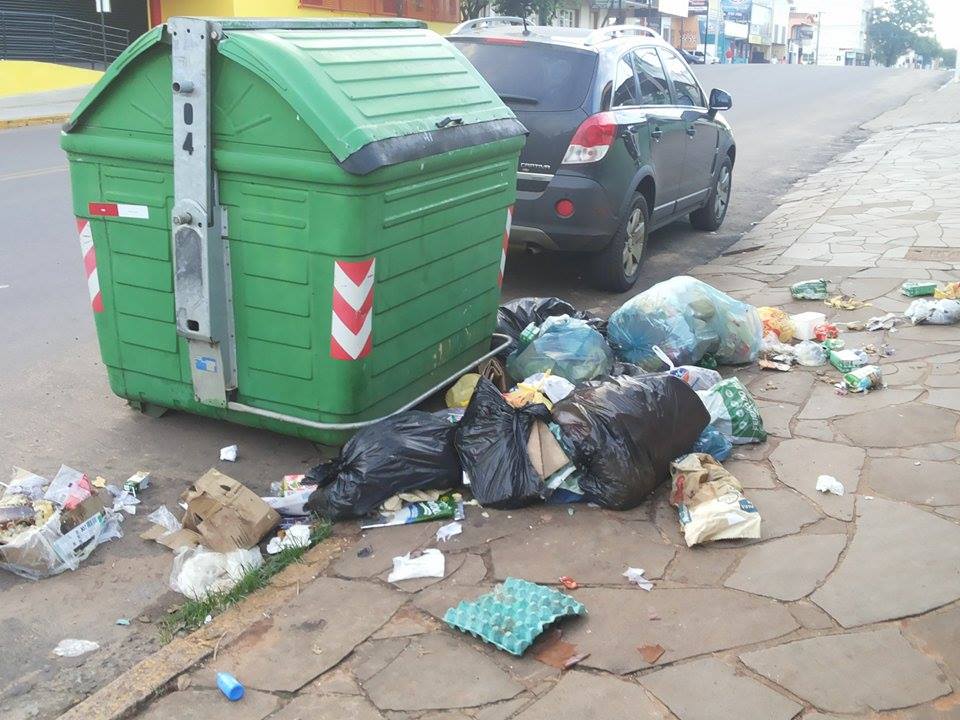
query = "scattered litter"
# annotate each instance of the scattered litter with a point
(517, 315)
(294, 536)
(933, 312)
(884, 322)
(70, 647)
(776, 322)
(229, 453)
(950, 291)
(864, 379)
(563, 346)
(653, 615)
(635, 576)
(122, 621)
(365, 551)
(513, 614)
(847, 360)
(811, 354)
(123, 500)
(829, 484)
(553, 651)
(198, 572)
(445, 532)
(137, 483)
(568, 582)
(624, 431)
(412, 450)
(710, 502)
(570, 511)
(651, 653)
(696, 377)
(833, 344)
(447, 506)
(689, 320)
(459, 394)
(713, 442)
(810, 290)
(855, 325)
(99, 482)
(806, 323)
(208, 619)
(918, 288)
(429, 563)
(221, 514)
(229, 686)
(846, 302)
(825, 331)
(734, 412)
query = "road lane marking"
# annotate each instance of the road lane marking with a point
(33, 173)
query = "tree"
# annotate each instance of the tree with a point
(470, 9)
(927, 47)
(894, 29)
(544, 10)
(949, 57)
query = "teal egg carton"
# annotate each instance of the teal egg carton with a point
(513, 614)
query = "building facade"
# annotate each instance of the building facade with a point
(840, 31)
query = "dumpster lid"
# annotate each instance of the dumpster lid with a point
(376, 92)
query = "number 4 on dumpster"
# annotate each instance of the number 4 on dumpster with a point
(351, 329)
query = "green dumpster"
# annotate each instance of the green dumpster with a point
(296, 225)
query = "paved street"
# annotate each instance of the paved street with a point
(56, 407)
(847, 607)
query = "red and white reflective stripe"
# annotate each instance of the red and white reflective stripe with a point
(351, 330)
(141, 212)
(90, 264)
(506, 243)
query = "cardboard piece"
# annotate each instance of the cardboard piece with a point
(545, 452)
(222, 515)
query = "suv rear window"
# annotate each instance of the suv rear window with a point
(532, 76)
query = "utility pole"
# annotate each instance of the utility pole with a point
(816, 59)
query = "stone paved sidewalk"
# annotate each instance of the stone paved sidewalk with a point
(847, 607)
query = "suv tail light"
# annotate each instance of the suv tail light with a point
(592, 139)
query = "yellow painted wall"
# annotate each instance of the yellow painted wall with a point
(264, 8)
(24, 76)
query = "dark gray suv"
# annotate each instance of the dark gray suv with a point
(622, 138)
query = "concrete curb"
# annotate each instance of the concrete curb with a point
(152, 676)
(38, 120)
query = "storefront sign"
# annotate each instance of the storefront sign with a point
(737, 10)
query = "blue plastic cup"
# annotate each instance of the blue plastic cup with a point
(229, 686)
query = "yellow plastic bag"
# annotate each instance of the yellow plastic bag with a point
(950, 291)
(459, 395)
(524, 395)
(778, 322)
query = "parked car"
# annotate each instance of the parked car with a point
(692, 58)
(622, 139)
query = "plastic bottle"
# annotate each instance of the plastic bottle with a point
(810, 354)
(229, 686)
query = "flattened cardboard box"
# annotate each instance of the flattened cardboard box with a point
(222, 515)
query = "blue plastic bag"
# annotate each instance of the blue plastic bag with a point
(688, 319)
(713, 442)
(564, 346)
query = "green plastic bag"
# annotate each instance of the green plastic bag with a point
(734, 412)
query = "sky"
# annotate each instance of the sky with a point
(946, 21)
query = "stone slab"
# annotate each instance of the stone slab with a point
(710, 690)
(938, 634)
(776, 417)
(782, 512)
(701, 565)
(798, 462)
(693, 621)
(789, 568)
(321, 707)
(824, 403)
(203, 704)
(944, 397)
(594, 697)
(900, 426)
(815, 430)
(851, 673)
(910, 553)
(926, 483)
(792, 387)
(591, 547)
(385, 544)
(810, 616)
(751, 474)
(319, 627)
(439, 672)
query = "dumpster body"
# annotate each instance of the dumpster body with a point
(296, 225)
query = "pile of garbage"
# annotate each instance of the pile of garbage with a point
(48, 527)
(591, 411)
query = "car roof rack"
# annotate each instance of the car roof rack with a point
(614, 31)
(477, 23)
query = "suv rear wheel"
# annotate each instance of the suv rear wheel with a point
(711, 215)
(617, 267)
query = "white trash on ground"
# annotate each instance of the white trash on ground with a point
(430, 563)
(198, 572)
(635, 576)
(71, 647)
(229, 453)
(294, 536)
(829, 484)
(445, 532)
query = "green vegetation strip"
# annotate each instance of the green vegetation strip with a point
(192, 614)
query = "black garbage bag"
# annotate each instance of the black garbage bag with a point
(492, 443)
(412, 450)
(625, 431)
(514, 316)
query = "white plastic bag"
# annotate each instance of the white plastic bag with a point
(71, 647)
(429, 564)
(69, 488)
(696, 377)
(24, 482)
(810, 354)
(294, 536)
(198, 572)
(934, 312)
